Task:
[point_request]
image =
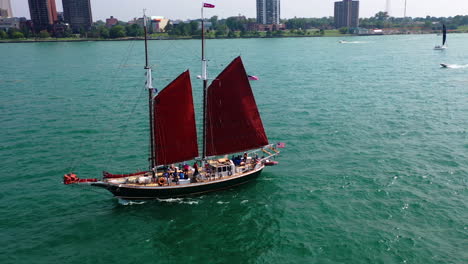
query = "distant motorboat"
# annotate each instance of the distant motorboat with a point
(351, 42)
(453, 66)
(444, 39)
(253, 78)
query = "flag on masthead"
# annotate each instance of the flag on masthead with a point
(208, 5)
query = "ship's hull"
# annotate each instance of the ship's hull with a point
(132, 192)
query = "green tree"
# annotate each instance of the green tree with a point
(214, 22)
(83, 33)
(236, 23)
(17, 35)
(381, 16)
(428, 24)
(343, 30)
(234, 34)
(43, 34)
(169, 27)
(94, 33)
(117, 32)
(193, 27)
(221, 31)
(26, 31)
(278, 33)
(134, 30)
(3, 34)
(186, 29)
(103, 32)
(99, 23)
(67, 33)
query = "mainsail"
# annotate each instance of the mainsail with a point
(233, 122)
(444, 33)
(175, 135)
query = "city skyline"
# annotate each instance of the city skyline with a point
(189, 9)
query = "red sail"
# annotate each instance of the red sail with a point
(233, 123)
(175, 135)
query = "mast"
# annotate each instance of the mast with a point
(405, 9)
(149, 86)
(205, 84)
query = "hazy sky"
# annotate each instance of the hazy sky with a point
(183, 9)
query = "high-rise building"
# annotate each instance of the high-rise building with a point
(347, 14)
(5, 9)
(43, 14)
(268, 11)
(78, 14)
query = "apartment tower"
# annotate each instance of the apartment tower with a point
(347, 14)
(268, 12)
(78, 14)
(43, 14)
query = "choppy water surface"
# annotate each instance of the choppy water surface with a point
(375, 169)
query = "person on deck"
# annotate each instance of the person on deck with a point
(195, 166)
(175, 177)
(186, 168)
(193, 179)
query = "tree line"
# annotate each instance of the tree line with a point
(240, 26)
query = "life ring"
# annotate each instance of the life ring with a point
(229, 173)
(162, 181)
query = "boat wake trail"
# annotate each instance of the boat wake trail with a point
(169, 200)
(352, 42)
(127, 202)
(454, 66)
(178, 200)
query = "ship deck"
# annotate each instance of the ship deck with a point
(202, 178)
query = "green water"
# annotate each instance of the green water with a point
(375, 169)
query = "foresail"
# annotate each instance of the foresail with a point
(175, 135)
(233, 121)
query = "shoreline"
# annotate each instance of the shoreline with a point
(192, 38)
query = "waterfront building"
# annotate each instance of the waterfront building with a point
(265, 27)
(5, 9)
(11, 22)
(78, 14)
(268, 12)
(347, 14)
(140, 21)
(158, 24)
(155, 23)
(112, 21)
(43, 14)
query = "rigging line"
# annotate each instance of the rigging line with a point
(119, 69)
(77, 161)
(124, 60)
(125, 128)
